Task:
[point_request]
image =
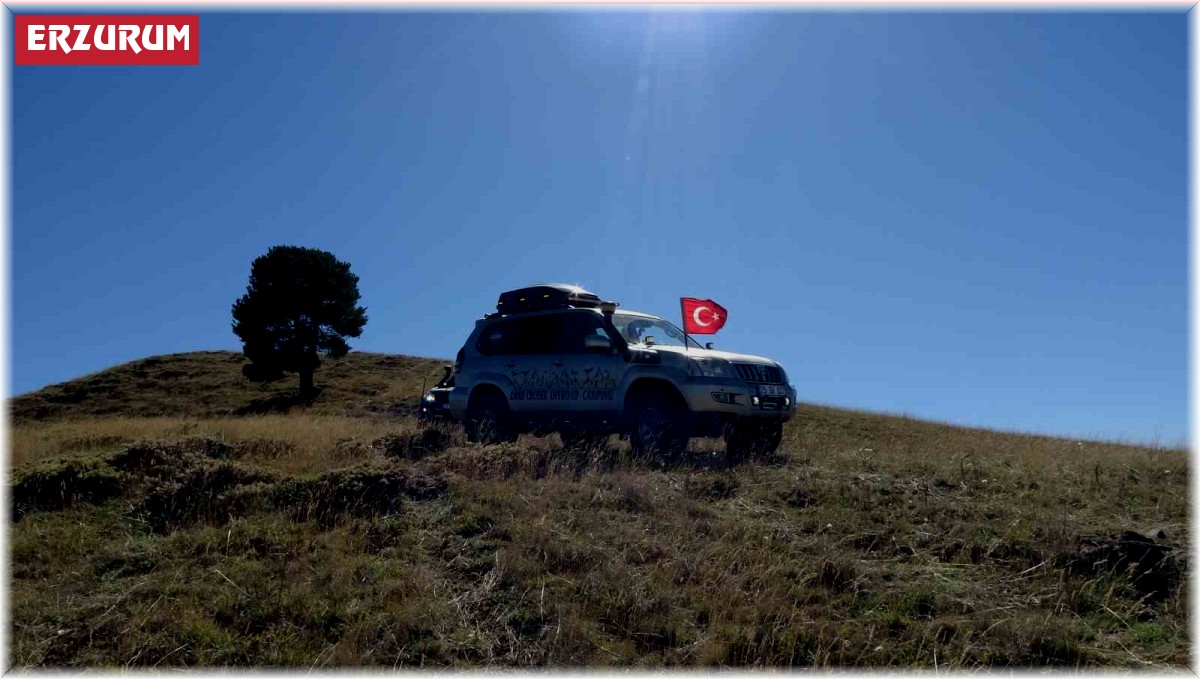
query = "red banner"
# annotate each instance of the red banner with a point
(106, 39)
(702, 316)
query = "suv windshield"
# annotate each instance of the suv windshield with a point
(635, 330)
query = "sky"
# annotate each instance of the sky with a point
(974, 217)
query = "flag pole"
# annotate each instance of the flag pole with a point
(683, 317)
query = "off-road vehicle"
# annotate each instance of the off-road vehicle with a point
(556, 358)
(435, 404)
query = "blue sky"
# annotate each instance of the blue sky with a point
(977, 217)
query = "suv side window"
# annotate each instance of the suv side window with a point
(574, 328)
(538, 333)
(520, 336)
(500, 339)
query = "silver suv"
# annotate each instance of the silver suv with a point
(556, 358)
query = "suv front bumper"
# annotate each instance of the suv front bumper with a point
(738, 399)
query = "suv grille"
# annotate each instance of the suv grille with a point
(763, 374)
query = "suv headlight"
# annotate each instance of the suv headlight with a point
(713, 367)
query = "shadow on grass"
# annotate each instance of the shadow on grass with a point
(280, 403)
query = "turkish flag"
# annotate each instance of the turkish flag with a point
(702, 316)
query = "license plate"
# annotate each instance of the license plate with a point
(771, 390)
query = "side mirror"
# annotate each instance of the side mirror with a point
(708, 345)
(598, 344)
(648, 340)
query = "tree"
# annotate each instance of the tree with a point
(300, 303)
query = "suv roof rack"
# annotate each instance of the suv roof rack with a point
(546, 296)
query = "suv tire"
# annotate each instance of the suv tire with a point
(657, 425)
(750, 439)
(489, 419)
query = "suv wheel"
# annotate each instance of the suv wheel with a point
(750, 439)
(657, 425)
(489, 420)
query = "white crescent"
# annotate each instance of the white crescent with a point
(696, 316)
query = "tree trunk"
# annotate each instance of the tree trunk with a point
(306, 382)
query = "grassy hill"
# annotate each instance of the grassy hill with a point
(210, 383)
(168, 512)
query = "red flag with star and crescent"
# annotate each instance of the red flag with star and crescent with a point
(702, 316)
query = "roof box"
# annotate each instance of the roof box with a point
(546, 296)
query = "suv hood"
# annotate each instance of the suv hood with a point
(713, 353)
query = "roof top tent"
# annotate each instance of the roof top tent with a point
(546, 296)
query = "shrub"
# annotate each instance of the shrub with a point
(363, 490)
(159, 459)
(413, 446)
(58, 484)
(1151, 568)
(202, 493)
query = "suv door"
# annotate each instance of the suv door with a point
(588, 378)
(545, 359)
(527, 363)
(498, 345)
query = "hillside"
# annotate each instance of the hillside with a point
(168, 512)
(210, 383)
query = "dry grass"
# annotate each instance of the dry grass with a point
(312, 540)
(210, 384)
(297, 444)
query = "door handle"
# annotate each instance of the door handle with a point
(511, 364)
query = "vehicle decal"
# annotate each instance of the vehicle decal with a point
(561, 395)
(562, 384)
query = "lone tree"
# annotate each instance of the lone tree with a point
(300, 303)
